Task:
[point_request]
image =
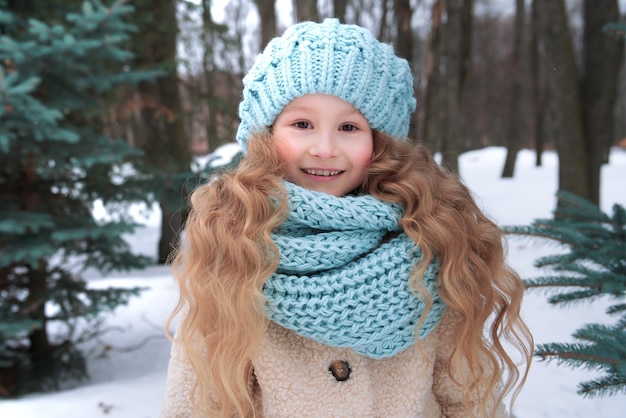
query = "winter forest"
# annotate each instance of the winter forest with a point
(107, 106)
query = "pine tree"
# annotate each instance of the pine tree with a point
(55, 70)
(593, 267)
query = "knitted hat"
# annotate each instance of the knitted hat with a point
(345, 61)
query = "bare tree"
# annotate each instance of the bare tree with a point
(515, 115)
(208, 58)
(339, 9)
(432, 102)
(602, 56)
(306, 10)
(457, 40)
(383, 29)
(220, 78)
(565, 105)
(162, 135)
(538, 89)
(451, 36)
(404, 41)
(403, 13)
(267, 16)
(581, 105)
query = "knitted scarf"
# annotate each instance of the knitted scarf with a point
(342, 280)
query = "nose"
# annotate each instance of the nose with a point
(324, 145)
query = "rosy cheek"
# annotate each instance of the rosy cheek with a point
(365, 155)
(284, 150)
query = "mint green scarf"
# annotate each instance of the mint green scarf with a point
(343, 275)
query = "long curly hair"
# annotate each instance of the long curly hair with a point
(228, 254)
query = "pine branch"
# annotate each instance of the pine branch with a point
(593, 266)
(615, 309)
(605, 386)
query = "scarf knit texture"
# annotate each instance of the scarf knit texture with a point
(342, 281)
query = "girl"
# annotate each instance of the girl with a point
(338, 271)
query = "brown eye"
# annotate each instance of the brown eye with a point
(302, 125)
(348, 127)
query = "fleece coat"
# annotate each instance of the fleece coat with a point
(293, 379)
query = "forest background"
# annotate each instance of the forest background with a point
(522, 74)
(159, 85)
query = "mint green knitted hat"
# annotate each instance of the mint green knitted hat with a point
(331, 58)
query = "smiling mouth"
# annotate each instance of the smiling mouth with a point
(322, 173)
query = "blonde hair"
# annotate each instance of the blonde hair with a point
(474, 280)
(228, 254)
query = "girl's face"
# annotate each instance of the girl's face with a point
(326, 143)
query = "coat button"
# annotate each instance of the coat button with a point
(340, 370)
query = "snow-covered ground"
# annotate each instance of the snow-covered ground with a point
(128, 381)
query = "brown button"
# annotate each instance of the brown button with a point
(340, 370)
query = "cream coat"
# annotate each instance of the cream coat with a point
(293, 375)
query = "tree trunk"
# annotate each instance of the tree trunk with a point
(467, 32)
(37, 283)
(515, 115)
(404, 43)
(602, 57)
(383, 30)
(450, 84)
(538, 95)
(306, 10)
(457, 37)
(209, 70)
(267, 16)
(40, 349)
(339, 9)
(430, 133)
(565, 100)
(163, 137)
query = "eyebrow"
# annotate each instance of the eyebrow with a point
(307, 109)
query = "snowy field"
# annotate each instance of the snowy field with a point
(128, 378)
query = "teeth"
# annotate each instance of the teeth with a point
(324, 173)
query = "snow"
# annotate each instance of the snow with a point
(128, 366)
